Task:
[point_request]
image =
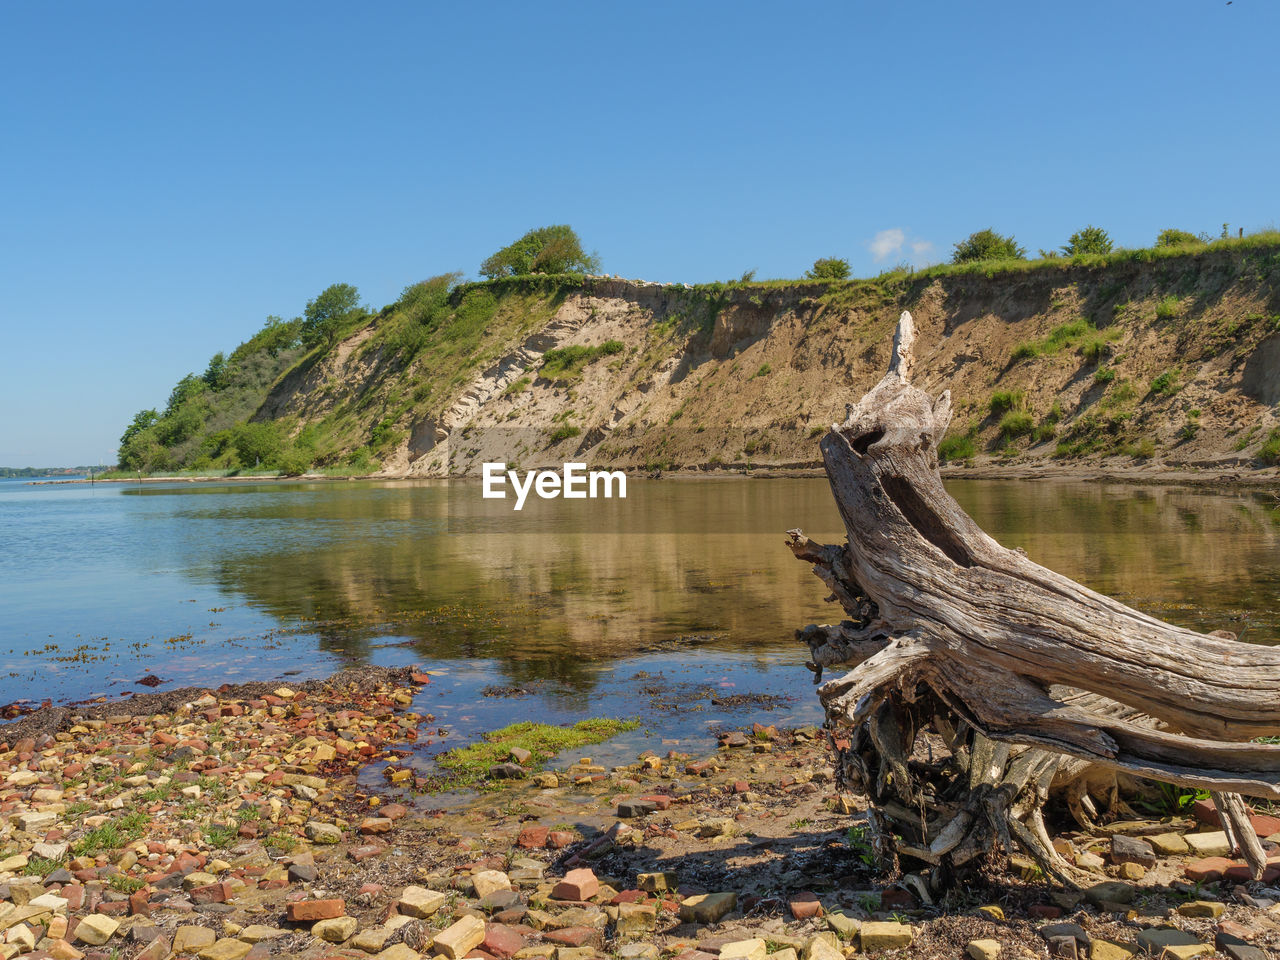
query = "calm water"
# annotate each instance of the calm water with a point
(687, 584)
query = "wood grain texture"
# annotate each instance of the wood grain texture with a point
(946, 624)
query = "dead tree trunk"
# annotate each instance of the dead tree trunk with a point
(981, 680)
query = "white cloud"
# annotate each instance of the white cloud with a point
(887, 243)
(921, 248)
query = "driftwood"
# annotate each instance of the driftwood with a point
(981, 681)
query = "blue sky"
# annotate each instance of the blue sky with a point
(175, 172)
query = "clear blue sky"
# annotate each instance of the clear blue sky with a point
(174, 172)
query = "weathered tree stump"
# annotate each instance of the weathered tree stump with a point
(982, 681)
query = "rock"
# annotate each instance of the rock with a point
(532, 837)
(1208, 844)
(656, 882)
(1169, 844)
(992, 911)
(636, 919)
(50, 851)
(636, 808)
(258, 932)
(461, 938)
(1086, 860)
(309, 911)
(641, 951)
(61, 950)
(318, 832)
(490, 881)
(1110, 892)
(420, 902)
(502, 941)
(507, 771)
(547, 781)
(983, 949)
(1155, 939)
(1207, 869)
(805, 906)
(707, 907)
(520, 755)
(1106, 950)
(1237, 949)
(578, 884)
(336, 930)
(844, 927)
(192, 939)
(225, 949)
(1132, 871)
(1132, 850)
(96, 929)
(303, 872)
(498, 900)
(743, 950)
(370, 940)
(398, 951)
(821, 947)
(1063, 948)
(576, 937)
(1202, 908)
(375, 825)
(1051, 931)
(874, 936)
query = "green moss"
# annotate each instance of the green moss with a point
(470, 764)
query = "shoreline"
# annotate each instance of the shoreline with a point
(242, 824)
(1193, 475)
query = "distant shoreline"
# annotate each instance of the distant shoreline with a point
(1146, 474)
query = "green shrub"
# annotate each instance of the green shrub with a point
(564, 432)
(1166, 384)
(955, 448)
(554, 249)
(293, 462)
(1024, 351)
(257, 444)
(331, 310)
(987, 245)
(1103, 375)
(1016, 423)
(1269, 452)
(1046, 431)
(1177, 238)
(1006, 400)
(764, 371)
(1089, 240)
(1094, 349)
(565, 362)
(828, 268)
(1168, 308)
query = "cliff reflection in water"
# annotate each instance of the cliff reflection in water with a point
(555, 590)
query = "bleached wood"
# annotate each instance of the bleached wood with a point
(1015, 652)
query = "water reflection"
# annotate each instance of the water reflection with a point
(312, 575)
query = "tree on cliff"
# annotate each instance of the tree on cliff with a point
(1089, 240)
(828, 268)
(987, 245)
(328, 313)
(554, 249)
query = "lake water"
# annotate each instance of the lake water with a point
(667, 605)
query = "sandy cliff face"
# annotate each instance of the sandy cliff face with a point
(1175, 361)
